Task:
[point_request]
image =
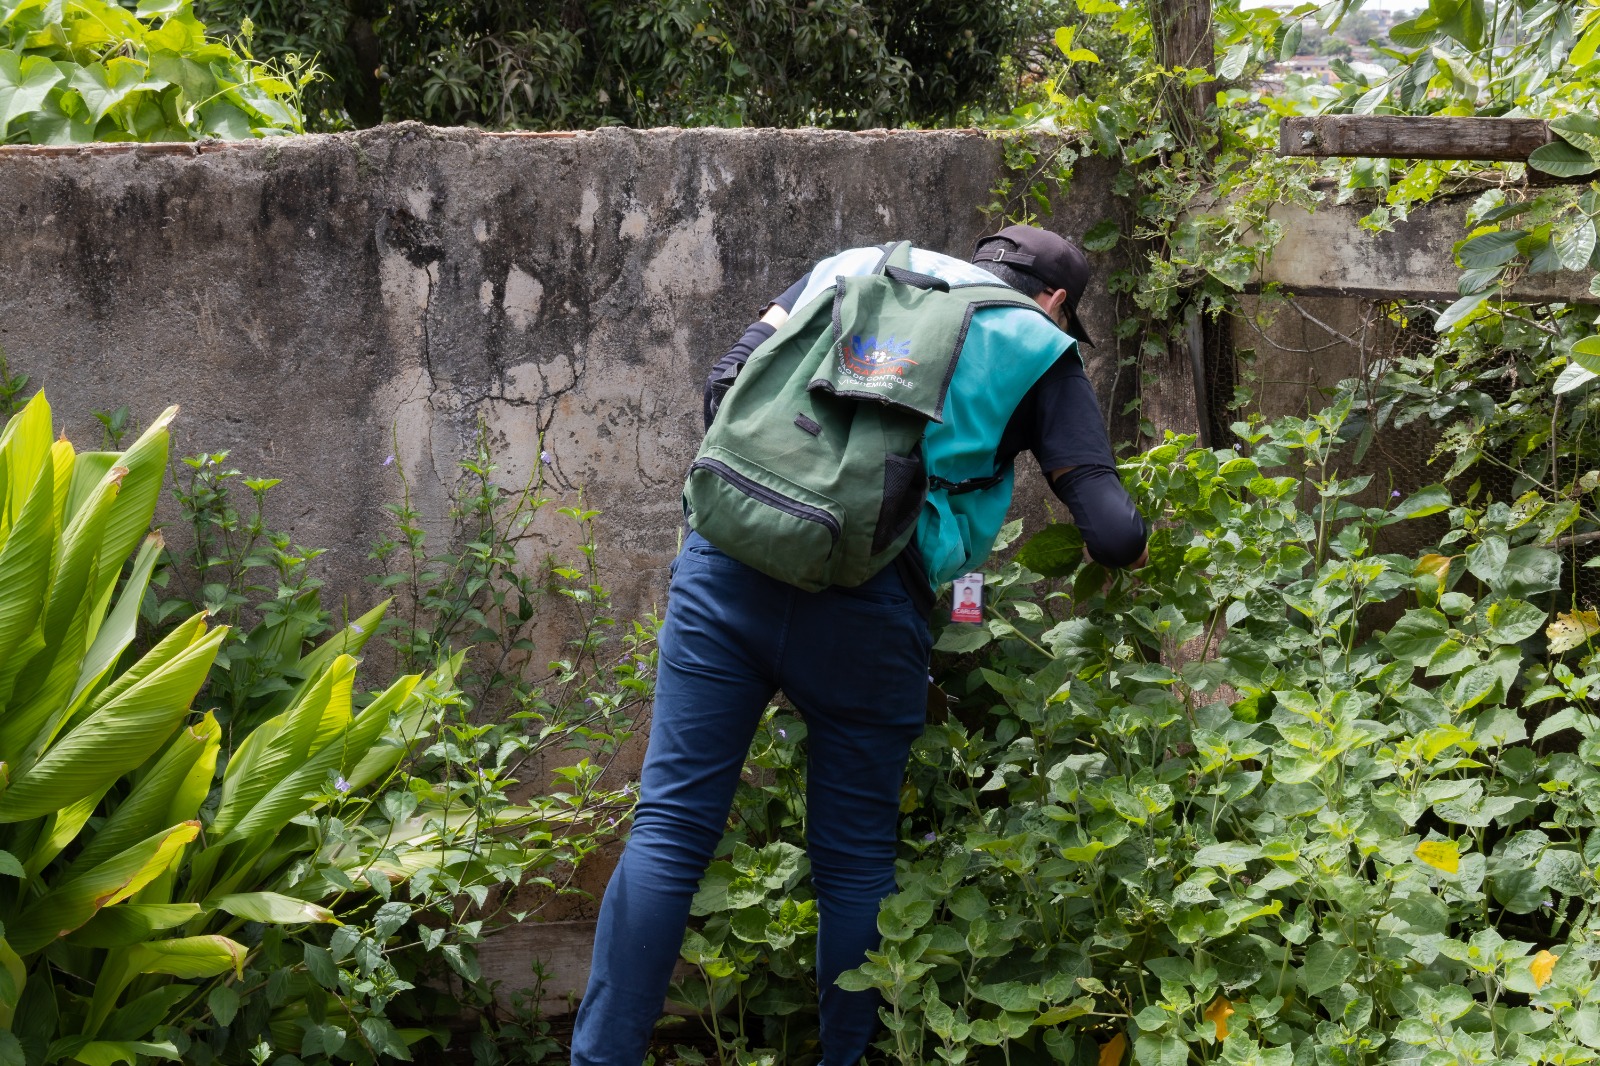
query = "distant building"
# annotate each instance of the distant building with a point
(1318, 67)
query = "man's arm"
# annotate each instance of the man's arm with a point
(726, 369)
(1114, 533)
(1059, 421)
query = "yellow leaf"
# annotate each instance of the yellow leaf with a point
(1434, 565)
(1440, 854)
(1112, 1050)
(1570, 629)
(1544, 964)
(1218, 1013)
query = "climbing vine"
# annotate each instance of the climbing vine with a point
(1199, 176)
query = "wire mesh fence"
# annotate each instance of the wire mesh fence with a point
(1290, 356)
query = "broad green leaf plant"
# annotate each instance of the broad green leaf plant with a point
(484, 825)
(136, 874)
(74, 71)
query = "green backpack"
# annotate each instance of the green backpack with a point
(812, 471)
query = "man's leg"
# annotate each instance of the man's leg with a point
(856, 665)
(717, 671)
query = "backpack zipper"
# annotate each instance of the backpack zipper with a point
(771, 497)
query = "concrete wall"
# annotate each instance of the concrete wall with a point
(1327, 252)
(318, 303)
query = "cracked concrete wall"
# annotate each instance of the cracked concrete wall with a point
(318, 303)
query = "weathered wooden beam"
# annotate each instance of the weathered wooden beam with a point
(1184, 37)
(1412, 137)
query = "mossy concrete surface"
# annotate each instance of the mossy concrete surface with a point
(317, 304)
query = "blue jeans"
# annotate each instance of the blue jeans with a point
(854, 662)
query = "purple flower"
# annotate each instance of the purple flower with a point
(783, 734)
(1395, 495)
(546, 458)
(341, 785)
(389, 461)
(930, 837)
(357, 628)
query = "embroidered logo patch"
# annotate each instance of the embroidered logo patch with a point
(880, 362)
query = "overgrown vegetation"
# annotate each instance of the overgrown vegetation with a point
(123, 923)
(487, 823)
(298, 870)
(1281, 797)
(1195, 138)
(73, 71)
(535, 64)
(1286, 796)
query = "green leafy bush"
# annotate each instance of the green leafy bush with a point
(539, 64)
(1282, 796)
(423, 867)
(285, 879)
(119, 917)
(754, 954)
(73, 71)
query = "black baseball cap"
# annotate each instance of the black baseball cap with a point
(1050, 257)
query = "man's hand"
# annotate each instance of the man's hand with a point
(1144, 557)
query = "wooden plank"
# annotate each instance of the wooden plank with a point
(1168, 398)
(1412, 137)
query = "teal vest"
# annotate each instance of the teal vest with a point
(1006, 350)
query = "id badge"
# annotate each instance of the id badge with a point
(967, 598)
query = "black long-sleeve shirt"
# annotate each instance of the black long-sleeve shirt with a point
(1058, 421)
